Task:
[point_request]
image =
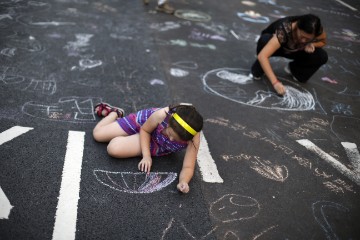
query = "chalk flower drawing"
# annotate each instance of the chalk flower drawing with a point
(233, 207)
(138, 182)
(234, 84)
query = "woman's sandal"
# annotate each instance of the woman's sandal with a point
(104, 109)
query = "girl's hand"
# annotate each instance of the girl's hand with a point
(145, 164)
(279, 88)
(183, 187)
(309, 48)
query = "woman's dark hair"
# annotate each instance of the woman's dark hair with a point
(310, 23)
(190, 115)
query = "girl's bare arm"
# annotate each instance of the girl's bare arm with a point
(189, 162)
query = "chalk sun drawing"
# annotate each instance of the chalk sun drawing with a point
(234, 207)
(234, 84)
(138, 182)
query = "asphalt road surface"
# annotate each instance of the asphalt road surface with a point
(269, 167)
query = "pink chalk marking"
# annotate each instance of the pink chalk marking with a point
(326, 79)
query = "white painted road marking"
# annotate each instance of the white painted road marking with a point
(8, 135)
(13, 133)
(206, 163)
(5, 205)
(66, 213)
(346, 5)
(354, 175)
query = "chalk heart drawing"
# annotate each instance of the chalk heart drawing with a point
(234, 84)
(233, 207)
(192, 15)
(270, 171)
(67, 109)
(138, 182)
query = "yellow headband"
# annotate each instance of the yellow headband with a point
(184, 124)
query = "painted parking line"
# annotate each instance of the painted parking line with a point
(354, 174)
(206, 163)
(12, 133)
(6, 136)
(66, 213)
(5, 205)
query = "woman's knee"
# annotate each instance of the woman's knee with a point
(321, 56)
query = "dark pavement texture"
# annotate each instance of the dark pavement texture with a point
(58, 58)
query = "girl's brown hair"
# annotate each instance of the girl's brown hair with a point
(190, 115)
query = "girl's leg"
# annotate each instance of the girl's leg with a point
(125, 146)
(306, 64)
(108, 128)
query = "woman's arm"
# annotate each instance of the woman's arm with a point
(189, 162)
(263, 58)
(320, 40)
(145, 135)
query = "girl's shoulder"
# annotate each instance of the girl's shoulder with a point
(160, 114)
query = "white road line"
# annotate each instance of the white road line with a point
(5, 205)
(206, 163)
(353, 175)
(346, 5)
(66, 213)
(13, 133)
(353, 154)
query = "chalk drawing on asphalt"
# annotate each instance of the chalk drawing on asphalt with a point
(177, 72)
(165, 26)
(177, 230)
(346, 128)
(32, 21)
(234, 84)
(138, 182)
(186, 64)
(234, 207)
(352, 152)
(79, 46)
(251, 16)
(192, 15)
(265, 168)
(67, 109)
(320, 211)
(11, 77)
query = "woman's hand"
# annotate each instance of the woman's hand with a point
(279, 88)
(145, 164)
(183, 187)
(309, 48)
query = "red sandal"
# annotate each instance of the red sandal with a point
(104, 109)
